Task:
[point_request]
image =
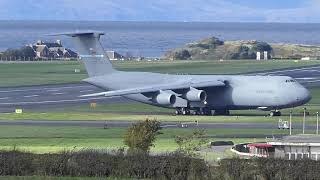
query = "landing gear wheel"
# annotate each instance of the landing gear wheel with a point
(178, 112)
(186, 112)
(182, 111)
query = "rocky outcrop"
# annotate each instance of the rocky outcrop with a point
(214, 49)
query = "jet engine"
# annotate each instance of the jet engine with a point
(195, 95)
(164, 98)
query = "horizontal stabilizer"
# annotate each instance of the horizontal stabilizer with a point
(78, 33)
(157, 88)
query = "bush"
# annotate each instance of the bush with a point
(92, 163)
(141, 136)
(182, 54)
(268, 169)
(209, 43)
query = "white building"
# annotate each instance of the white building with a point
(297, 147)
(289, 147)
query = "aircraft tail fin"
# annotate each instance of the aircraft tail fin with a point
(91, 52)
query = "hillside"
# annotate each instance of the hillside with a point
(214, 49)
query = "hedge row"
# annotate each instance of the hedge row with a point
(99, 164)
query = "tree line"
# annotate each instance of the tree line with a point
(25, 52)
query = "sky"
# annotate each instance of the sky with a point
(303, 11)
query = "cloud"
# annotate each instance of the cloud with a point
(308, 13)
(155, 10)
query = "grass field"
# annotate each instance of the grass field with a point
(239, 117)
(36, 73)
(52, 139)
(55, 178)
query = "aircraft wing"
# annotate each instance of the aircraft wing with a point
(157, 88)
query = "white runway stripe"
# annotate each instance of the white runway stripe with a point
(31, 96)
(58, 101)
(41, 89)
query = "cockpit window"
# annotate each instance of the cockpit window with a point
(290, 81)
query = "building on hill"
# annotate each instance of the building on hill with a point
(52, 50)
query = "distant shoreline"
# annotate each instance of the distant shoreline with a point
(153, 39)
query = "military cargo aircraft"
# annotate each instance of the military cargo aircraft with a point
(196, 94)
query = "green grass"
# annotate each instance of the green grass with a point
(19, 74)
(56, 178)
(36, 73)
(40, 139)
(116, 108)
(211, 66)
(132, 117)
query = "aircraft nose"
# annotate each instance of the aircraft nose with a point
(304, 96)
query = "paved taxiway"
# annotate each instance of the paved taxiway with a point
(50, 96)
(308, 76)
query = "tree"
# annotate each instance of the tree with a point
(188, 144)
(27, 51)
(140, 137)
(261, 46)
(181, 54)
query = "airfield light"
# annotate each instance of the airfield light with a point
(304, 120)
(317, 123)
(290, 123)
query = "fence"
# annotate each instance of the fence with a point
(14, 58)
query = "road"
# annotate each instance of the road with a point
(51, 96)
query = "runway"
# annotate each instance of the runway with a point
(50, 96)
(307, 76)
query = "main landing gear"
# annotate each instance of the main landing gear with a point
(183, 111)
(187, 111)
(201, 111)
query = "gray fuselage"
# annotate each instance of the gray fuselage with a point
(240, 92)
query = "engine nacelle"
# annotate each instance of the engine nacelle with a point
(195, 95)
(164, 98)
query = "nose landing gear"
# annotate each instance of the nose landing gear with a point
(275, 113)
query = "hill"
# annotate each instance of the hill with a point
(214, 49)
